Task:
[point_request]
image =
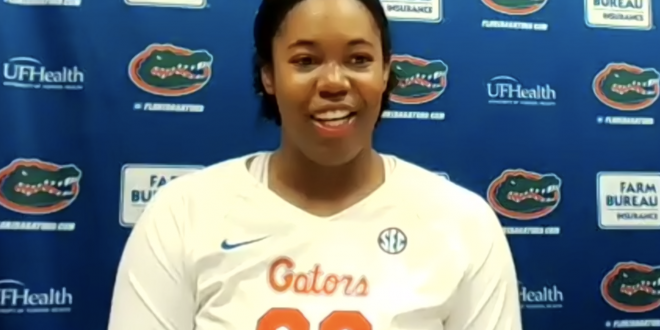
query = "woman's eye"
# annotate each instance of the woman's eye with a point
(304, 61)
(360, 60)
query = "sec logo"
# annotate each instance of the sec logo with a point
(392, 240)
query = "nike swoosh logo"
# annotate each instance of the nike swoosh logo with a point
(228, 246)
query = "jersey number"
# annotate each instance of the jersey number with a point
(293, 319)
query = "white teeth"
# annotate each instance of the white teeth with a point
(335, 123)
(431, 80)
(633, 86)
(70, 181)
(164, 72)
(333, 114)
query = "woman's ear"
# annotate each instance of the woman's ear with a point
(267, 79)
(387, 73)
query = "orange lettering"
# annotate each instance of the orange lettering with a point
(277, 318)
(283, 277)
(293, 319)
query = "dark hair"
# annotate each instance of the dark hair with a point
(267, 23)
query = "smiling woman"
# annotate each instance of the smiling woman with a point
(325, 74)
(325, 232)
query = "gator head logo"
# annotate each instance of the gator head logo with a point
(632, 287)
(524, 195)
(168, 70)
(515, 7)
(420, 80)
(32, 186)
(627, 87)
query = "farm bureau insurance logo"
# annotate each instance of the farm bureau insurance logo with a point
(619, 14)
(36, 187)
(507, 90)
(425, 11)
(515, 8)
(628, 200)
(191, 4)
(30, 73)
(627, 88)
(17, 298)
(420, 81)
(170, 71)
(523, 195)
(139, 184)
(632, 287)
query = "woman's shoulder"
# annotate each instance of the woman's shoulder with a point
(436, 196)
(222, 178)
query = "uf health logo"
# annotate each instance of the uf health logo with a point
(544, 297)
(507, 90)
(426, 11)
(191, 4)
(619, 14)
(139, 184)
(628, 200)
(17, 298)
(30, 73)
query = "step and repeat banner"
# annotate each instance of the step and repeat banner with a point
(547, 108)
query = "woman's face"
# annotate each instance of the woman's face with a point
(328, 76)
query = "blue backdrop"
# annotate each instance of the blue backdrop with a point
(545, 107)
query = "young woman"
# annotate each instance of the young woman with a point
(324, 233)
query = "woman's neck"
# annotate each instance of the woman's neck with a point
(291, 168)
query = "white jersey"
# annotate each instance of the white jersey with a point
(218, 250)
